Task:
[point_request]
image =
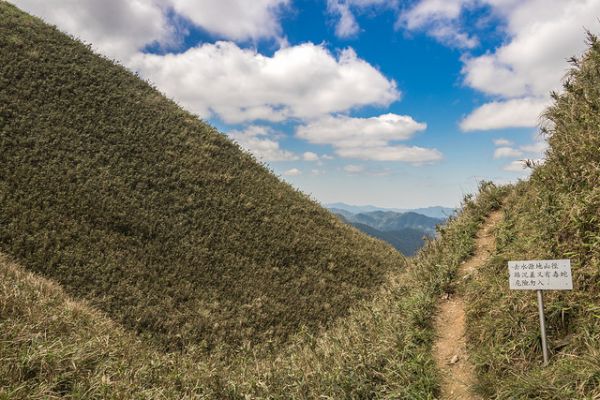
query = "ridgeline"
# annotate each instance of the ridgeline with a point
(154, 217)
(555, 214)
(145, 255)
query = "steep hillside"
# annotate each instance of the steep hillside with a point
(52, 346)
(154, 217)
(555, 214)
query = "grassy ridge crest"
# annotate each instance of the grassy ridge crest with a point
(553, 215)
(152, 215)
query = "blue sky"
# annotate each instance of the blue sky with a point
(392, 103)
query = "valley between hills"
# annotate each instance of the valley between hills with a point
(144, 255)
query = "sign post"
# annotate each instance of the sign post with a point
(540, 275)
(540, 297)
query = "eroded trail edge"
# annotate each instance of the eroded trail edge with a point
(450, 348)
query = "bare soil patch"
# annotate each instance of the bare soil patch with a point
(450, 348)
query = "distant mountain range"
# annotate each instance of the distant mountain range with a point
(391, 220)
(406, 240)
(433, 212)
(403, 230)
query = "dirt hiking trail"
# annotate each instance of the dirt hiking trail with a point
(449, 349)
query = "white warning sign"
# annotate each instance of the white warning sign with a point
(540, 275)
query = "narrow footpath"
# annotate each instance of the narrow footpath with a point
(450, 348)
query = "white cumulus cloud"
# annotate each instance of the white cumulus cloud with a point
(119, 29)
(537, 147)
(369, 138)
(439, 18)
(234, 19)
(541, 35)
(507, 152)
(262, 142)
(521, 165)
(410, 154)
(292, 172)
(310, 156)
(115, 28)
(345, 131)
(303, 81)
(354, 169)
(512, 113)
(515, 166)
(347, 26)
(533, 153)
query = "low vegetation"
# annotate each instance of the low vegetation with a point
(52, 345)
(144, 255)
(553, 215)
(151, 215)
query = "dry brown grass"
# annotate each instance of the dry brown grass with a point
(152, 215)
(53, 346)
(555, 214)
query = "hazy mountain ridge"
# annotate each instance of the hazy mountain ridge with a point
(433, 212)
(406, 240)
(389, 221)
(405, 231)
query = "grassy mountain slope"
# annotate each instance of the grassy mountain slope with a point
(54, 346)
(177, 236)
(151, 215)
(555, 214)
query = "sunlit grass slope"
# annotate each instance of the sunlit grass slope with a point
(52, 346)
(154, 217)
(382, 350)
(148, 224)
(555, 214)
